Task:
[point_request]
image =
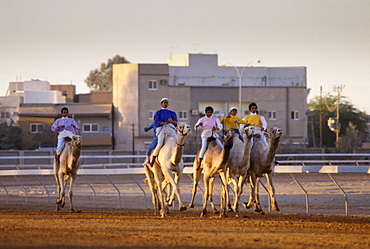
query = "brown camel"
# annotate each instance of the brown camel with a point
(167, 169)
(239, 163)
(66, 168)
(262, 162)
(213, 164)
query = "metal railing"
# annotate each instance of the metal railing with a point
(290, 167)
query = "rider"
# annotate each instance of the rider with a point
(232, 121)
(65, 127)
(165, 120)
(210, 125)
(255, 119)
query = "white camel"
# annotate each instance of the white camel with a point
(262, 162)
(238, 164)
(168, 169)
(66, 168)
(213, 164)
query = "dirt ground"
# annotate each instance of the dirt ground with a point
(100, 223)
(109, 228)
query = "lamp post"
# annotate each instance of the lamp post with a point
(240, 75)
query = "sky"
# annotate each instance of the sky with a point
(62, 41)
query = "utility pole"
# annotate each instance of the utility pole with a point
(320, 120)
(337, 89)
(133, 141)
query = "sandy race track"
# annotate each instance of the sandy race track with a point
(141, 229)
(104, 225)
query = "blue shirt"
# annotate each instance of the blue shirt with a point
(163, 115)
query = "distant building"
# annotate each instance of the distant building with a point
(35, 91)
(94, 119)
(194, 81)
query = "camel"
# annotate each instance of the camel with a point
(213, 164)
(66, 168)
(168, 169)
(238, 164)
(262, 162)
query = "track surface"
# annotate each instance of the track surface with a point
(135, 228)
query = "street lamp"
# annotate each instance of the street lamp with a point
(240, 75)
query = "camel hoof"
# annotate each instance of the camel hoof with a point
(203, 214)
(246, 205)
(57, 208)
(216, 212)
(183, 208)
(191, 205)
(223, 216)
(276, 209)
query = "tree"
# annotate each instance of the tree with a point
(350, 141)
(10, 136)
(102, 79)
(347, 114)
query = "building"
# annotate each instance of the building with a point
(94, 120)
(194, 81)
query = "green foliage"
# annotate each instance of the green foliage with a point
(10, 137)
(350, 141)
(347, 114)
(102, 79)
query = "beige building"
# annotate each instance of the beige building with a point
(94, 120)
(194, 81)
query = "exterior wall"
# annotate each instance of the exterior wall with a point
(100, 97)
(125, 104)
(31, 141)
(191, 88)
(9, 106)
(69, 91)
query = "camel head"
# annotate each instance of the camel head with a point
(77, 141)
(228, 137)
(183, 129)
(276, 132)
(248, 131)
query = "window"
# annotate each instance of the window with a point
(183, 115)
(151, 114)
(272, 115)
(153, 85)
(294, 115)
(90, 127)
(36, 128)
(105, 128)
(4, 114)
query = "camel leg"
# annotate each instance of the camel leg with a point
(153, 190)
(211, 184)
(271, 189)
(56, 170)
(196, 178)
(252, 197)
(70, 192)
(235, 182)
(158, 180)
(257, 203)
(224, 195)
(61, 199)
(175, 188)
(241, 182)
(206, 195)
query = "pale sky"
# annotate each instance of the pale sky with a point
(61, 41)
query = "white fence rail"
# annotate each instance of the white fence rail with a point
(325, 166)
